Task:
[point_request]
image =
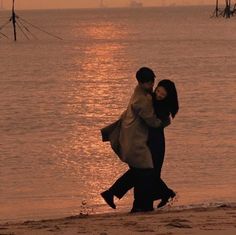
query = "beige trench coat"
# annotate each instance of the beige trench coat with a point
(128, 136)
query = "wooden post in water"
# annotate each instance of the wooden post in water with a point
(13, 19)
(229, 8)
(23, 25)
(227, 12)
(216, 11)
(234, 9)
(217, 8)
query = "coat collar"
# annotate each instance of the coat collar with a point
(140, 90)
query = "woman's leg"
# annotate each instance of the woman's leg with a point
(157, 148)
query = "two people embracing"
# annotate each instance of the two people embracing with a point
(138, 139)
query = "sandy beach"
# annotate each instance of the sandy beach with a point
(205, 221)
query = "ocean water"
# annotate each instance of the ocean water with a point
(56, 95)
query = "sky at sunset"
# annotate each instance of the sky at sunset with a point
(42, 4)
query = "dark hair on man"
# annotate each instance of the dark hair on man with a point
(145, 74)
(171, 101)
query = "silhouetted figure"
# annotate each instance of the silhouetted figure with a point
(165, 102)
(132, 144)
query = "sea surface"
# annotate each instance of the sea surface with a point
(56, 95)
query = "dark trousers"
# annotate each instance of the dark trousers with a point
(142, 180)
(156, 144)
(151, 182)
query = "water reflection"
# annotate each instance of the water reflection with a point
(87, 163)
(106, 30)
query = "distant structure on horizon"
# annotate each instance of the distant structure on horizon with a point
(227, 12)
(136, 4)
(1, 6)
(102, 4)
(163, 3)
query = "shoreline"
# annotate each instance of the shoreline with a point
(199, 220)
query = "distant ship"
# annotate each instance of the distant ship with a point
(102, 5)
(1, 6)
(136, 4)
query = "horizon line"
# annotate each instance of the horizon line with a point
(112, 7)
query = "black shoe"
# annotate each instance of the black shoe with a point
(166, 199)
(135, 210)
(109, 198)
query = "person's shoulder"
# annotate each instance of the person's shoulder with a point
(142, 97)
(142, 101)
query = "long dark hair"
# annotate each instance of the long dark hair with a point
(170, 103)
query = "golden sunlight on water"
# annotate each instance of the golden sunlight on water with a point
(106, 30)
(93, 95)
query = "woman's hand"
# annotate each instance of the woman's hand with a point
(166, 122)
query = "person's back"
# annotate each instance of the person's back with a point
(134, 129)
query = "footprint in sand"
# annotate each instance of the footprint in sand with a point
(179, 223)
(7, 233)
(165, 233)
(145, 230)
(130, 223)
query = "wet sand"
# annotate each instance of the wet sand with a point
(220, 220)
